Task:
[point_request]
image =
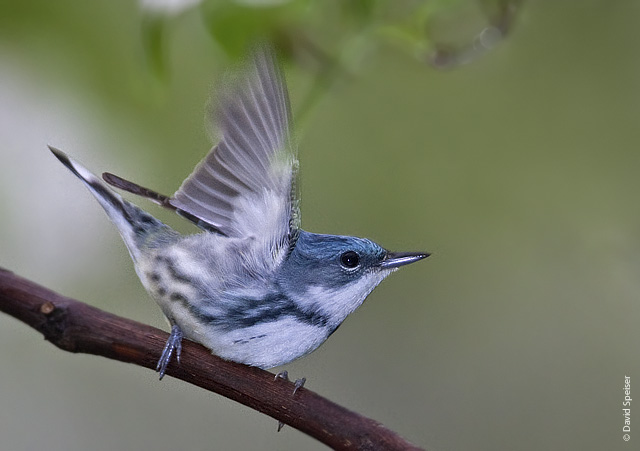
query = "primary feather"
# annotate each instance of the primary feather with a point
(244, 186)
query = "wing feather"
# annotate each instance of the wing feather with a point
(242, 185)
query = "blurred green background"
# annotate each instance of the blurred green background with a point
(519, 172)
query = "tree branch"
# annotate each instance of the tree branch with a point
(77, 327)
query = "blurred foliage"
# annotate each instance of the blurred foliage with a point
(334, 36)
(304, 29)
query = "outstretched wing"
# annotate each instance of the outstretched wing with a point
(245, 186)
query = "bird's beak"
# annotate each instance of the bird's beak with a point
(397, 259)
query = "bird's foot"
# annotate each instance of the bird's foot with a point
(174, 344)
(299, 383)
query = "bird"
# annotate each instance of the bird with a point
(252, 286)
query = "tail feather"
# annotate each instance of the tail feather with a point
(134, 188)
(160, 199)
(134, 224)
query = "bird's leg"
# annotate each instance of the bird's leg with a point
(299, 383)
(174, 343)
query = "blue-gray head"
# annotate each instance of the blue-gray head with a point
(336, 273)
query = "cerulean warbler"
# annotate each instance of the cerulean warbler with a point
(252, 287)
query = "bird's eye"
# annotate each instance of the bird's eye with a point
(350, 259)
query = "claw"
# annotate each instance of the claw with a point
(282, 375)
(299, 383)
(174, 343)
